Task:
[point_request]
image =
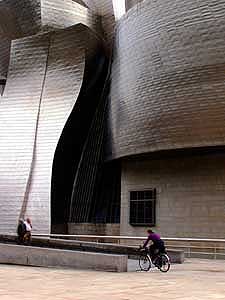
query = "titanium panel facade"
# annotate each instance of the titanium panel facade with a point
(45, 75)
(168, 77)
(104, 8)
(64, 75)
(166, 91)
(19, 109)
(27, 17)
(131, 3)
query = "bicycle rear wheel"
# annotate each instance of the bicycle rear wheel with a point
(164, 263)
(144, 262)
(27, 238)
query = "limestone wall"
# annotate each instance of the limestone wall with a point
(189, 194)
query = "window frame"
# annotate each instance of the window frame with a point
(144, 200)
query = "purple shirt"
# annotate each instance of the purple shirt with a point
(152, 237)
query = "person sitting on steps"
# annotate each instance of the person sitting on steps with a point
(21, 230)
(27, 235)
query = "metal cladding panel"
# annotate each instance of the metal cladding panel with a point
(81, 2)
(63, 81)
(59, 14)
(45, 76)
(168, 87)
(101, 7)
(18, 116)
(104, 8)
(131, 3)
(20, 18)
(5, 45)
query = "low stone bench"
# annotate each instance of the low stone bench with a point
(176, 256)
(46, 257)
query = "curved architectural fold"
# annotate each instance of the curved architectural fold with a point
(18, 118)
(92, 151)
(27, 17)
(167, 84)
(157, 109)
(45, 75)
(70, 147)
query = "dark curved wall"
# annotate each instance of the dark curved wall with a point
(168, 86)
(70, 146)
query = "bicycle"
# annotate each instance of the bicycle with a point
(161, 261)
(25, 239)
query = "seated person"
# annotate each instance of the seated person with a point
(21, 230)
(28, 228)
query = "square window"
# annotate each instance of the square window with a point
(142, 207)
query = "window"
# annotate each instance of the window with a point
(142, 207)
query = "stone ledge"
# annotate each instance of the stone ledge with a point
(176, 256)
(46, 257)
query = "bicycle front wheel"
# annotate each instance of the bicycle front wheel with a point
(144, 262)
(165, 263)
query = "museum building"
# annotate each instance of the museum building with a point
(112, 116)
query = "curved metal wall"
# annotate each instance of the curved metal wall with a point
(131, 3)
(104, 8)
(45, 75)
(27, 17)
(168, 86)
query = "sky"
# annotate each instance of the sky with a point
(119, 8)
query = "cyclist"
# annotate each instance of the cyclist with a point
(157, 245)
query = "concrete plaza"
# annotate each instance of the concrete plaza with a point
(193, 280)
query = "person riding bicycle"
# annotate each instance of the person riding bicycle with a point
(157, 245)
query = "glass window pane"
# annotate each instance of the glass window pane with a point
(148, 194)
(141, 195)
(142, 210)
(133, 195)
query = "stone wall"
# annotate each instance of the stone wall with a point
(190, 198)
(94, 229)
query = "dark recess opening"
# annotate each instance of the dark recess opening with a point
(71, 142)
(106, 200)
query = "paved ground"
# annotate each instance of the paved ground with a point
(193, 280)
